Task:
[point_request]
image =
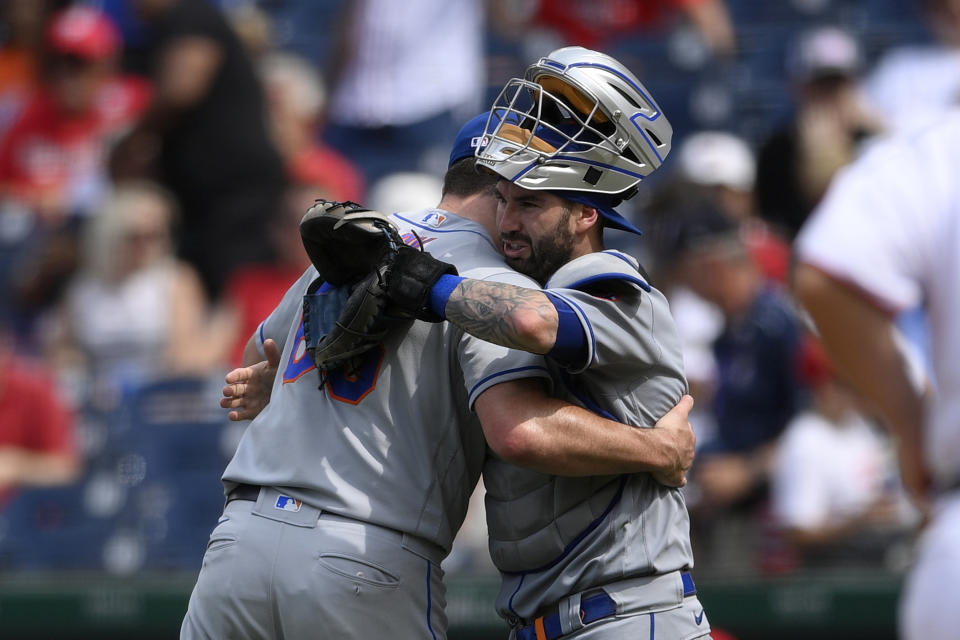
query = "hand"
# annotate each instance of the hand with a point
(682, 441)
(248, 388)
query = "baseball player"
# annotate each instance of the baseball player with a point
(885, 239)
(342, 501)
(602, 556)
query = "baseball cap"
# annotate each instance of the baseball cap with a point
(718, 158)
(84, 32)
(469, 138)
(823, 52)
(604, 204)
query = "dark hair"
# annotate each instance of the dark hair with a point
(464, 178)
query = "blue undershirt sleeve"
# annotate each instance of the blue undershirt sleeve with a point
(571, 344)
(441, 293)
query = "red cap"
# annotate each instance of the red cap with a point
(84, 32)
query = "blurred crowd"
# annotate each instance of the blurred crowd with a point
(156, 157)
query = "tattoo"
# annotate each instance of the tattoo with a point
(490, 311)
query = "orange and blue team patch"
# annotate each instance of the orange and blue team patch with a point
(413, 240)
(299, 362)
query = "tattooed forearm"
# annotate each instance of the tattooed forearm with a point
(504, 314)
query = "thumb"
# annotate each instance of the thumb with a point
(272, 352)
(685, 405)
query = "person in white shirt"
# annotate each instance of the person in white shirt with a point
(835, 494)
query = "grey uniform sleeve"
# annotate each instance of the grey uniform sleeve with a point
(630, 326)
(277, 324)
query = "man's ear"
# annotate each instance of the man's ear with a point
(586, 218)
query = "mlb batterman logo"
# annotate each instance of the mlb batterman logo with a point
(434, 219)
(286, 503)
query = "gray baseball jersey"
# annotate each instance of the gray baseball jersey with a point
(396, 445)
(551, 536)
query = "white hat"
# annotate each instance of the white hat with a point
(405, 191)
(825, 51)
(718, 158)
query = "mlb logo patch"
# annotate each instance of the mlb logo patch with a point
(434, 219)
(286, 503)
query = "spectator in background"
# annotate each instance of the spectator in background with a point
(52, 159)
(835, 491)
(400, 87)
(24, 21)
(832, 119)
(36, 427)
(205, 137)
(721, 166)
(595, 24)
(136, 313)
(295, 101)
(253, 291)
(712, 186)
(756, 390)
(911, 85)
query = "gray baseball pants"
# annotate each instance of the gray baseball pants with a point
(277, 568)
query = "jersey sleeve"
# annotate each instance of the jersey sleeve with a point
(615, 328)
(277, 324)
(882, 201)
(485, 364)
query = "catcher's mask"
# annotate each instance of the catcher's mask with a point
(578, 121)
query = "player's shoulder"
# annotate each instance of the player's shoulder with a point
(437, 227)
(602, 268)
(452, 238)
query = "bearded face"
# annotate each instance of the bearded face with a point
(541, 255)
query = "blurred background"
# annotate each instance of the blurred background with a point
(156, 157)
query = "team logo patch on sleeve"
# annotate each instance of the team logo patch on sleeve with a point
(286, 503)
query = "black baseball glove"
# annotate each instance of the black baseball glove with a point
(345, 241)
(394, 289)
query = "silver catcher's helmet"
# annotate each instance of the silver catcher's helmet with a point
(579, 120)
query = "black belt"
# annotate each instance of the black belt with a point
(244, 492)
(593, 608)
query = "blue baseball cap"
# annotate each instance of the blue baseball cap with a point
(469, 138)
(604, 204)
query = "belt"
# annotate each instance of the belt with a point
(592, 608)
(244, 492)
